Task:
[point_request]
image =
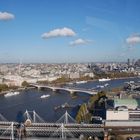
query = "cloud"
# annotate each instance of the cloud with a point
(6, 16)
(133, 40)
(66, 32)
(80, 42)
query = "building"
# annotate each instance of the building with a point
(128, 62)
(119, 115)
(74, 75)
(13, 80)
(1, 80)
(124, 109)
(129, 103)
(90, 74)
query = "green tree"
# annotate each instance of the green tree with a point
(25, 84)
(3, 87)
(83, 114)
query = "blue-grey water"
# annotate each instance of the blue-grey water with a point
(30, 100)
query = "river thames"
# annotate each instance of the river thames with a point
(30, 100)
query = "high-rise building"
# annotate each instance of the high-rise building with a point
(137, 63)
(128, 62)
(133, 62)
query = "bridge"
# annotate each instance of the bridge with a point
(70, 90)
(35, 126)
(64, 128)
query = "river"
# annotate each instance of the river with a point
(30, 100)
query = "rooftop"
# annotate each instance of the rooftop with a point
(127, 102)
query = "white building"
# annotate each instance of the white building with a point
(117, 115)
(30, 80)
(90, 74)
(74, 75)
(1, 80)
(124, 109)
(52, 78)
(13, 80)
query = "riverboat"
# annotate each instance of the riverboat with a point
(11, 94)
(44, 96)
(81, 82)
(104, 79)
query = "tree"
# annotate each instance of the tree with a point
(3, 87)
(25, 84)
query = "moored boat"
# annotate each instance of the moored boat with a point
(11, 94)
(100, 86)
(81, 82)
(104, 79)
(106, 85)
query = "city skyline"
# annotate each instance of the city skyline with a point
(49, 31)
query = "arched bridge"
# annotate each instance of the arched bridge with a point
(70, 90)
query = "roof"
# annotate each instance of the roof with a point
(127, 102)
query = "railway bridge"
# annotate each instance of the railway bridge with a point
(64, 128)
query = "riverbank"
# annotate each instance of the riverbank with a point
(66, 83)
(125, 78)
(18, 89)
(95, 80)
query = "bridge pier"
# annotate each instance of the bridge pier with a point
(72, 92)
(39, 88)
(53, 89)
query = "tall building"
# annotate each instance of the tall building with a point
(133, 62)
(128, 62)
(138, 63)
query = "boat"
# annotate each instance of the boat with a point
(70, 83)
(66, 105)
(11, 94)
(81, 82)
(104, 79)
(57, 107)
(73, 96)
(44, 96)
(106, 85)
(100, 86)
(16, 93)
(8, 94)
(63, 106)
(131, 82)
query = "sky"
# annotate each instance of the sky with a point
(63, 31)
